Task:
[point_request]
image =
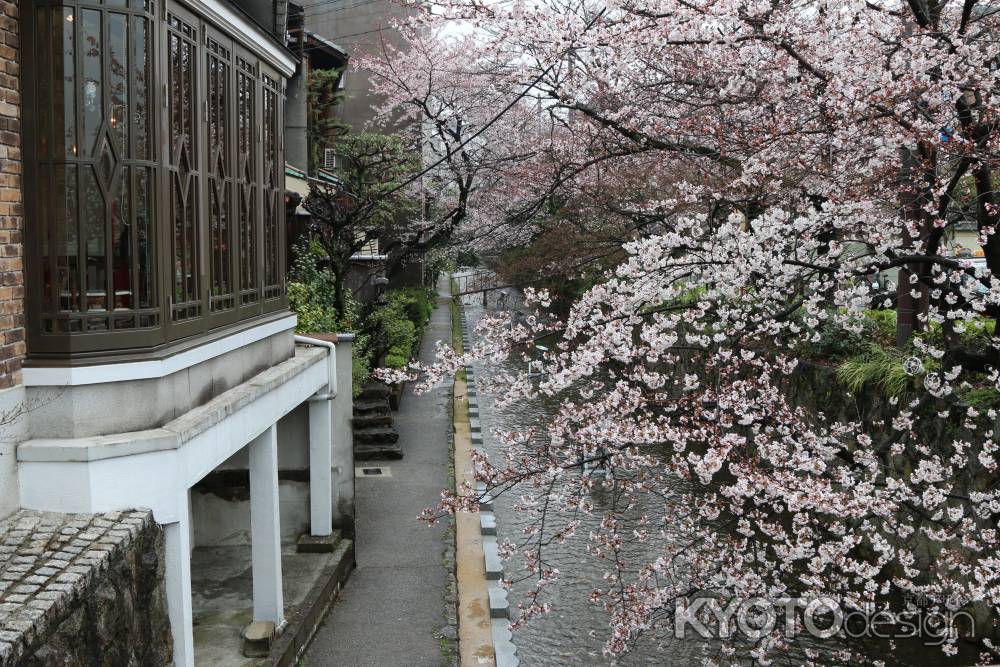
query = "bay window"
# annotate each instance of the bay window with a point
(153, 178)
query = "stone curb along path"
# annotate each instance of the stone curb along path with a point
(476, 536)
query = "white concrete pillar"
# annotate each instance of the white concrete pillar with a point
(343, 439)
(177, 543)
(265, 528)
(320, 467)
(190, 506)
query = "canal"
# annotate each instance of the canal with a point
(574, 632)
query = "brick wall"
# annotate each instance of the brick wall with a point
(12, 345)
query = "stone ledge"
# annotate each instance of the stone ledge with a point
(305, 619)
(499, 607)
(47, 563)
(318, 544)
(175, 433)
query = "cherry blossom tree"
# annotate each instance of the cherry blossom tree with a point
(755, 164)
(366, 202)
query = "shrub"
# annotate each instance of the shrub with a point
(883, 324)
(313, 315)
(311, 298)
(879, 365)
(397, 334)
(393, 330)
(400, 324)
(837, 342)
(981, 398)
(311, 291)
(396, 360)
(400, 332)
(883, 367)
(979, 332)
(418, 303)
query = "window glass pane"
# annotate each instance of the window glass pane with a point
(65, 225)
(141, 98)
(63, 34)
(92, 223)
(144, 233)
(220, 241)
(118, 73)
(248, 262)
(93, 78)
(184, 241)
(247, 177)
(48, 269)
(121, 242)
(185, 172)
(271, 192)
(187, 58)
(176, 83)
(43, 77)
(220, 174)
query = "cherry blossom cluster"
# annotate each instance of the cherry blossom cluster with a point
(762, 172)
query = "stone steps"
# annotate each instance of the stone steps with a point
(367, 452)
(376, 435)
(374, 391)
(380, 407)
(373, 419)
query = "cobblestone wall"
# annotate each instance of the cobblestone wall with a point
(12, 345)
(82, 590)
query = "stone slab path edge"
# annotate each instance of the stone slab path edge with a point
(475, 637)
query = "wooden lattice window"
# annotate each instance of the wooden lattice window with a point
(154, 167)
(220, 174)
(273, 190)
(183, 167)
(91, 151)
(246, 77)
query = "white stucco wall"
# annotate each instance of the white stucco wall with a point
(13, 429)
(224, 520)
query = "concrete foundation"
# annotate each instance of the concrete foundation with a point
(221, 501)
(216, 474)
(68, 411)
(13, 429)
(222, 599)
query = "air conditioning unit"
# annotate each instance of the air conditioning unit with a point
(330, 159)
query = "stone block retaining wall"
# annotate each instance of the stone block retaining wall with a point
(83, 590)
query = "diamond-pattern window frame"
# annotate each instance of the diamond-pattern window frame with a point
(242, 185)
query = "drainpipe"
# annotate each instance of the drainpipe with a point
(331, 366)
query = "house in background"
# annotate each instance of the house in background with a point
(964, 239)
(363, 27)
(315, 53)
(357, 27)
(148, 353)
(305, 160)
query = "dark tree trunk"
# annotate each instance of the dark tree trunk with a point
(339, 298)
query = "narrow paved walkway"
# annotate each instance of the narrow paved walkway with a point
(394, 602)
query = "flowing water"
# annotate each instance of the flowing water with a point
(573, 633)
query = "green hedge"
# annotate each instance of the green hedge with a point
(403, 321)
(311, 298)
(399, 325)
